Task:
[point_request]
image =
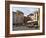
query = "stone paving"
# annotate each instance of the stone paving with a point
(23, 27)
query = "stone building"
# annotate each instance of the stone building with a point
(33, 16)
(18, 17)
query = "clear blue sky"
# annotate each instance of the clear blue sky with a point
(25, 10)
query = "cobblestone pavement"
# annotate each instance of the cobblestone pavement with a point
(21, 27)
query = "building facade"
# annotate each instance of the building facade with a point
(18, 17)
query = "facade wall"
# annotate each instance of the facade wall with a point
(18, 19)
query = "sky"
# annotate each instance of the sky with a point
(25, 10)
